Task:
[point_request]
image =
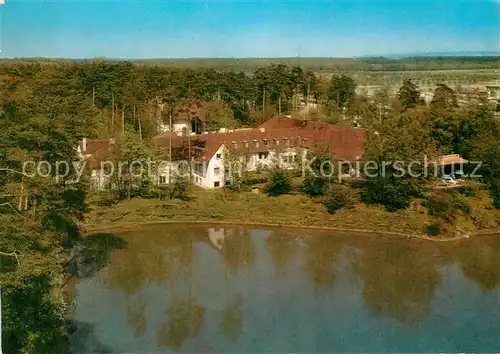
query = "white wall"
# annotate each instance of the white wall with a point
(254, 162)
(178, 126)
(215, 162)
(217, 237)
(207, 177)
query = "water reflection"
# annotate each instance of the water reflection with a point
(399, 280)
(322, 254)
(183, 320)
(480, 262)
(232, 318)
(198, 289)
(238, 249)
(136, 318)
(283, 247)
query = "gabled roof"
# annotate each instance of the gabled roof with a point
(343, 143)
(91, 146)
(96, 151)
(451, 159)
(281, 122)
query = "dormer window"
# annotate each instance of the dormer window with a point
(266, 142)
(277, 142)
(235, 144)
(256, 143)
(246, 143)
(287, 142)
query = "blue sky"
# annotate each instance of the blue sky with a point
(179, 29)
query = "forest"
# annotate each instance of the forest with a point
(319, 65)
(47, 107)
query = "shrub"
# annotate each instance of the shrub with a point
(495, 194)
(316, 182)
(386, 192)
(108, 198)
(446, 205)
(255, 180)
(313, 186)
(279, 183)
(180, 189)
(146, 190)
(438, 205)
(433, 229)
(459, 203)
(468, 191)
(339, 197)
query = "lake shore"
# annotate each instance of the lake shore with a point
(214, 207)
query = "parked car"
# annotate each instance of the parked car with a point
(449, 180)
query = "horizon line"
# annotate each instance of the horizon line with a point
(395, 56)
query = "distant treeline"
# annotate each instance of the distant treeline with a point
(319, 65)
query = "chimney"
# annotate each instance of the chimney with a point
(262, 130)
(84, 145)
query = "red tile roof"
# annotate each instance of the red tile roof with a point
(195, 108)
(97, 158)
(343, 143)
(281, 122)
(451, 159)
(91, 146)
(96, 151)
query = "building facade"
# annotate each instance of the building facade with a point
(212, 159)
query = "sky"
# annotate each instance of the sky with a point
(254, 28)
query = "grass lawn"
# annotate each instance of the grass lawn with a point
(249, 208)
(294, 210)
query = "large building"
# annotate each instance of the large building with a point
(190, 119)
(215, 156)
(211, 159)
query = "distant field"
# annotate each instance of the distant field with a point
(428, 78)
(321, 65)
(369, 73)
(334, 64)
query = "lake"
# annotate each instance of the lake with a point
(174, 288)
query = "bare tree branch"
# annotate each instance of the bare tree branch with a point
(17, 211)
(12, 254)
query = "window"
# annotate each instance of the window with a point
(246, 144)
(277, 142)
(183, 168)
(263, 155)
(218, 156)
(216, 171)
(163, 179)
(256, 143)
(266, 142)
(287, 143)
(217, 184)
(199, 168)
